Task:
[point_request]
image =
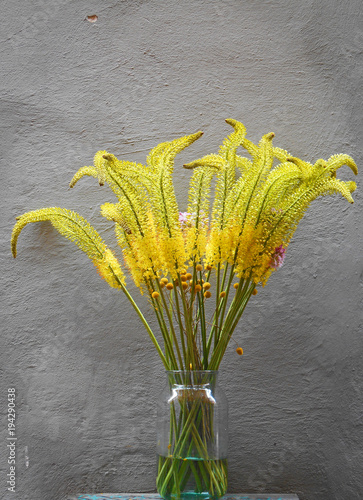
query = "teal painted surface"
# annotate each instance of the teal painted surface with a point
(122, 496)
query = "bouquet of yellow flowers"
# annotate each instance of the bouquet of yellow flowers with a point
(199, 268)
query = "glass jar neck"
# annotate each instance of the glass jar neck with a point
(192, 377)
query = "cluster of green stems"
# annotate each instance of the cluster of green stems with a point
(191, 341)
(191, 432)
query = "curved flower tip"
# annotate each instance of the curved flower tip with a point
(278, 257)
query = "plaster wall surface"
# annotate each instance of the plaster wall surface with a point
(86, 375)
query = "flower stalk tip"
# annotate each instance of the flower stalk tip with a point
(242, 234)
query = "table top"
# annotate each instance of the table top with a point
(155, 496)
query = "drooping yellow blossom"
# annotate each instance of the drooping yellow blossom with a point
(77, 229)
(109, 269)
(242, 234)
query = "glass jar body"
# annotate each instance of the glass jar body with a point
(192, 437)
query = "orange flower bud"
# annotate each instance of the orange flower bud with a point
(183, 278)
(189, 276)
(222, 294)
(254, 291)
(199, 267)
(235, 286)
(170, 286)
(197, 288)
(206, 286)
(239, 351)
(207, 294)
(155, 295)
(184, 285)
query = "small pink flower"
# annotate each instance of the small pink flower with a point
(183, 217)
(278, 257)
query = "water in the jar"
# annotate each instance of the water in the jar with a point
(191, 478)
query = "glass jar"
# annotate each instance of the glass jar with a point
(192, 437)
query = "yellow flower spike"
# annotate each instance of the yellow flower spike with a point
(109, 269)
(258, 203)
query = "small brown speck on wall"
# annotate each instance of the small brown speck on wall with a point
(92, 19)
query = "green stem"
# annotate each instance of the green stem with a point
(164, 331)
(231, 323)
(181, 327)
(216, 313)
(145, 323)
(170, 319)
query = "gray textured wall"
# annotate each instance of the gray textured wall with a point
(86, 374)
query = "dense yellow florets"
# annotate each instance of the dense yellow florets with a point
(109, 269)
(256, 209)
(236, 241)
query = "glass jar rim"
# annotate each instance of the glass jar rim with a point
(193, 371)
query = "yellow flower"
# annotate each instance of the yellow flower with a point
(109, 269)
